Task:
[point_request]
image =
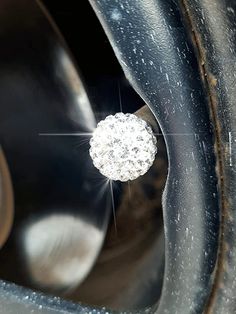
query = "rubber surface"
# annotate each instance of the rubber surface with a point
(152, 45)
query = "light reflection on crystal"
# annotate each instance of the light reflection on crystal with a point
(123, 147)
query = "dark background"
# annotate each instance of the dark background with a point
(102, 74)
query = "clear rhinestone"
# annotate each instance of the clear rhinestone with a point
(123, 147)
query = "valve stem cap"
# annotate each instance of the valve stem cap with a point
(123, 147)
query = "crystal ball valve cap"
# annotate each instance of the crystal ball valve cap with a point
(123, 147)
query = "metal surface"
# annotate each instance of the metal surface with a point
(146, 114)
(151, 43)
(62, 204)
(60, 219)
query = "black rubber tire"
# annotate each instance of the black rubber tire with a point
(180, 56)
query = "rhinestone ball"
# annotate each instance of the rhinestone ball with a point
(123, 147)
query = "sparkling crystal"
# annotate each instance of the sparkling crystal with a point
(123, 147)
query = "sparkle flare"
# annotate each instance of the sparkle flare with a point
(123, 147)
